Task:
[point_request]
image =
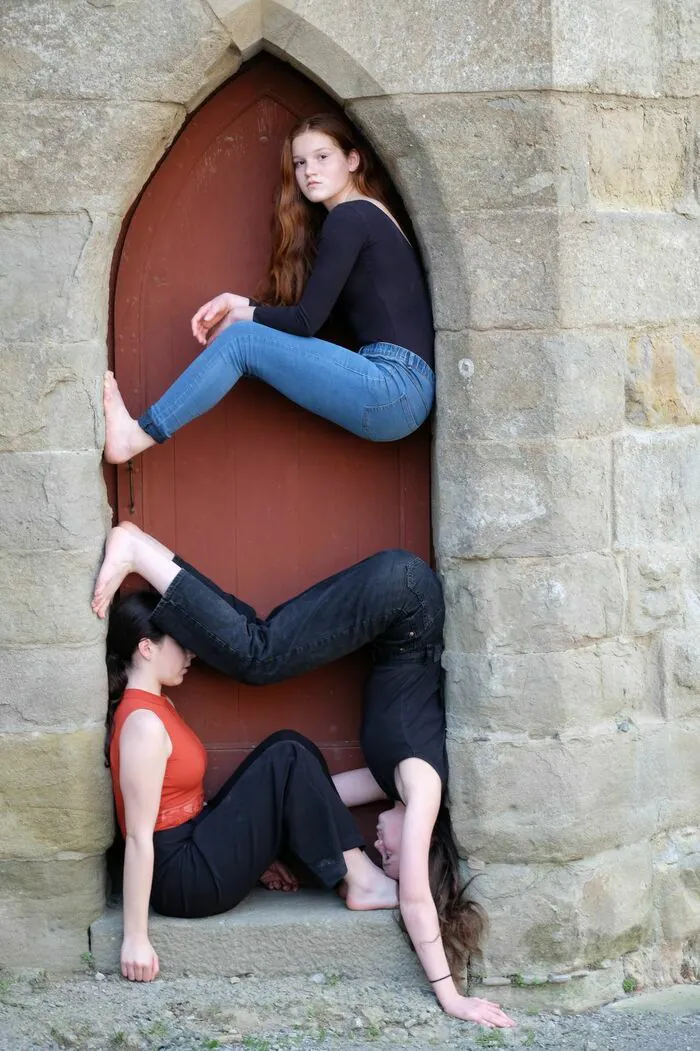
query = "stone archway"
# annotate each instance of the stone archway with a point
(565, 496)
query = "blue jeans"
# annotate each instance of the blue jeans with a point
(381, 393)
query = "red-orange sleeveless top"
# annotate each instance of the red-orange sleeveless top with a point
(182, 796)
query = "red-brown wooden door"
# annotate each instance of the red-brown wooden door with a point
(261, 496)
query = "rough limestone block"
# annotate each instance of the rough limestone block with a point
(585, 992)
(606, 47)
(563, 917)
(618, 269)
(46, 597)
(538, 604)
(46, 687)
(46, 909)
(677, 883)
(467, 153)
(503, 385)
(681, 666)
(638, 153)
(671, 772)
(662, 380)
(272, 934)
(54, 276)
(58, 501)
(243, 20)
(542, 694)
(38, 170)
(55, 794)
(152, 50)
(51, 396)
(657, 483)
(553, 799)
(425, 46)
(522, 498)
(511, 268)
(657, 581)
(679, 32)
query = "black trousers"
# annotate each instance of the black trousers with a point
(392, 600)
(280, 800)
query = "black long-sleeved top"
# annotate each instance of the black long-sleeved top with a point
(365, 265)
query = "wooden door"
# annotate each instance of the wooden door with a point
(261, 496)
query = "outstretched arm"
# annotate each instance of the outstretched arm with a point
(143, 753)
(356, 787)
(421, 790)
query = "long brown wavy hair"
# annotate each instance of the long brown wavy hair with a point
(297, 222)
(462, 921)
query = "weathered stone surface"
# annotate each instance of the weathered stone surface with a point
(243, 20)
(542, 694)
(531, 604)
(677, 883)
(681, 665)
(554, 799)
(58, 501)
(503, 385)
(43, 140)
(522, 498)
(500, 152)
(605, 47)
(453, 47)
(54, 276)
(628, 269)
(638, 154)
(657, 583)
(55, 794)
(46, 597)
(596, 988)
(657, 480)
(511, 264)
(51, 396)
(272, 934)
(566, 916)
(679, 33)
(52, 686)
(671, 771)
(46, 908)
(663, 376)
(86, 51)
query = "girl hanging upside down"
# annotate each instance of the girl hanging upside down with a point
(335, 245)
(393, 600)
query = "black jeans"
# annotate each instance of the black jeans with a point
(280, 801)
(391, 599)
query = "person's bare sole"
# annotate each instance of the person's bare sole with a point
(117, 564)
(378, 897)
(123, 436)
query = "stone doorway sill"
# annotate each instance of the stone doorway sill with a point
(271, 934)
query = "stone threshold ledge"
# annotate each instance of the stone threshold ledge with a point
(271, 934)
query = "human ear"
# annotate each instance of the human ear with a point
(353, 160)
(146, 649)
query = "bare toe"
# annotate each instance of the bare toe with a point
(123, 436)
(117, 564)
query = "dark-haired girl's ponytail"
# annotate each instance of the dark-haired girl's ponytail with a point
(116, 684)
(116, 676)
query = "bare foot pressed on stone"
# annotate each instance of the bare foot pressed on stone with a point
(373, 890)
(123, 436)
(118, 563)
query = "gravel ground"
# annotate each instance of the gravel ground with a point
(312, 1013)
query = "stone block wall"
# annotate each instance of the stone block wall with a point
(549, 159)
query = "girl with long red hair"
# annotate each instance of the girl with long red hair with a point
(336, 246)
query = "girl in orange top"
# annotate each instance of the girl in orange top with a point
(190, 858)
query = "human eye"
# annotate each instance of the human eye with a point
(298, 164)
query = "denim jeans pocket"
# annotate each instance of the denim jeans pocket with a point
(389, 422)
